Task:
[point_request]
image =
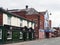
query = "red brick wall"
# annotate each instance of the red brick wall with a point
(50, 23)
(1, 18)
(41, 21)
(41, 34)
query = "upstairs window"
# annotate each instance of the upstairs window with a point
(28, 24)
(9, 20)
(33, 25)
(21, 22)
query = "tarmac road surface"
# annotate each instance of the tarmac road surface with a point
(50, 41)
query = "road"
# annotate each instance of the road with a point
(51, 41)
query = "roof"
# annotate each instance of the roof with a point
(29, 10)
(7, 12)
(44, 12)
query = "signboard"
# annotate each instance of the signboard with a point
(48, 31)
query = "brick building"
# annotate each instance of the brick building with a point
(15, 28)
(41, 19)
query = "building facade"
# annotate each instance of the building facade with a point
(7, 18)
(14, 27)
(38, 17)
(41, 19)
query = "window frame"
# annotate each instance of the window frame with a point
(9, 19)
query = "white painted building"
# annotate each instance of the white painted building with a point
(14, 20)
(46, 21)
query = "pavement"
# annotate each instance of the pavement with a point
(50, 41)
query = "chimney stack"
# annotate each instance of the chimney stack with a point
(26, 7)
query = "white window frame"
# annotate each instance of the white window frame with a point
(9, 20)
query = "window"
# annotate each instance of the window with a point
(9, 34)
(0, 33)
(32, 35)
(27, 35)
(35, 20)
(25, 22)
(28, 24)
(21, 35)
(20, 22)
(9, 20)
(33, 25)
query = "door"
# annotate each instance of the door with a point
(30, 35)
(15, 35)
(47, 34)
(24, 36)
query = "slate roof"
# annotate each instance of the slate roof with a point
(29, 10)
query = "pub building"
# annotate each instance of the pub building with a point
(14, 28)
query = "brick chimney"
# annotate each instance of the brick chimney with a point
(26, 7)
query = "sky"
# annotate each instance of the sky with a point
(53, 7)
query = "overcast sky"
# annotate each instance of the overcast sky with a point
(53, 6)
